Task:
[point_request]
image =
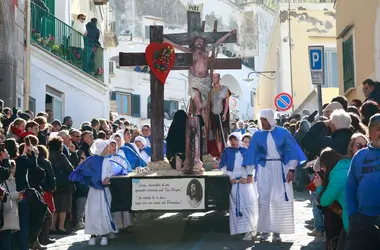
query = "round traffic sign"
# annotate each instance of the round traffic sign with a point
(283, 101)
(233, 102)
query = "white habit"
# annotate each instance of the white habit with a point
(97, 214)
(276, 215)
(247, 198)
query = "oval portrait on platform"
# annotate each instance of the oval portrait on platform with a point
(194, 193)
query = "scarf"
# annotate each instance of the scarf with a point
(228, 157)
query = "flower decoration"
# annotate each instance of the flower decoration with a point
(99, 71)
(162, 59)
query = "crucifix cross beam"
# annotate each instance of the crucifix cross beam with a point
(156, 90)
(195, 28)
(182, 61)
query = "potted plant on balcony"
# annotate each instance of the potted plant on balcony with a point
(99, 73)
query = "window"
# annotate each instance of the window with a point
(123, 103)
(32, 104)
(170, 107)
(136, 107)
(348, 64)
(111, 68)
(58, 109)
(331, 69)
(126, 104)
(55, 104)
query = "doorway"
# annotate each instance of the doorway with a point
(55, 104)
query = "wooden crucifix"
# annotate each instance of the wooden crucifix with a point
(183, 61)
(200, 74)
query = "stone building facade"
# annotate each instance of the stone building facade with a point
(12, 51)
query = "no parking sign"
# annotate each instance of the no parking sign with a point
(283, 101)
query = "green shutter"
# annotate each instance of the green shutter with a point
(112, 95)
(49, 19)
(135, 109)
(348, 64)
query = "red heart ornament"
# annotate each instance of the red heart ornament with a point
(161, 59)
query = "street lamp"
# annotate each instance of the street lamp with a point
(272, 75)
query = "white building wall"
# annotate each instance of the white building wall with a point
(83, 97)
(62, 11)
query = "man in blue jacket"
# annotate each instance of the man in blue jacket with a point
(362, 193)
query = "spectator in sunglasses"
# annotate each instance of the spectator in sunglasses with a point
(358, 141)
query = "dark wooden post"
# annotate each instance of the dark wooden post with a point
(157, 104)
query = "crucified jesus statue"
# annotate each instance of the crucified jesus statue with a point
(199, 78)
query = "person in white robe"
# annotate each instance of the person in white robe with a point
(98, 212)
(123, 220)
(145, 151)
(126, 139)
(243, 210)
(79, 30)
(274, 154)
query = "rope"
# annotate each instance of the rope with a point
(284, 181)
(113, 225)
(238, 213)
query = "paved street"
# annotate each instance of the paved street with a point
(197, 232)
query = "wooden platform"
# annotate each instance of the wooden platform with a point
(171, 173)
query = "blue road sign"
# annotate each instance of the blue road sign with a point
(283, 101)
(316, 60)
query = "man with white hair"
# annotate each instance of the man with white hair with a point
(274, 155)
(315, 140)
(68, 146)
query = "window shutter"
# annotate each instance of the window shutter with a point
(136, 106)
(112, 95)
(348, 64)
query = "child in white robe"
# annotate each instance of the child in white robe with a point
(145, 150)
(243, 201)
(99, 221)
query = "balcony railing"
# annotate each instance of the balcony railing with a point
(58, 38)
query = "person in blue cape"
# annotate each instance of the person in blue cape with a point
(130, 151)
(96, 172)
(145, 151)
(145, 130)
(243, 200)
(120, 161)
(275, 154)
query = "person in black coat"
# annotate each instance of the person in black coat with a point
(48, 186)
(5, 167)
(91, 43)
(315, 140)
(176, 138)
(29, 174)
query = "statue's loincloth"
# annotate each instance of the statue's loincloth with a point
(203, 85)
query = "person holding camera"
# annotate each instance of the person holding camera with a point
(4, 164)
(362, 194)
(29, 174)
